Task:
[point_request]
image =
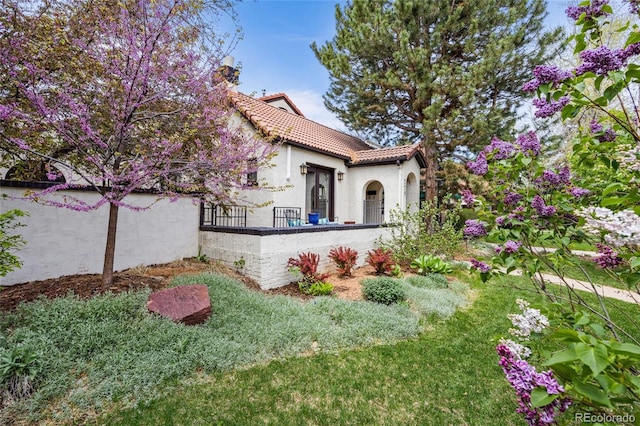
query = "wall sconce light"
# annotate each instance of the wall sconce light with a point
(340, 176)
(303, 168)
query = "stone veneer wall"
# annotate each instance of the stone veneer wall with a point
(267, 250)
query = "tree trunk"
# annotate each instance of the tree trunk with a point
(431, 185)
(109, 251)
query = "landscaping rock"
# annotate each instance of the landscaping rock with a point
(189, 304)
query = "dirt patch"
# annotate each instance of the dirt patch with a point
(158, 277)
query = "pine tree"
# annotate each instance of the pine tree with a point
(446, 73)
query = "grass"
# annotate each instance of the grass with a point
(111, 350)
(274, 359)
(448, 375)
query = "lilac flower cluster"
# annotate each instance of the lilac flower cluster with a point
(551, 179)
(578, 192)
(512, 198)
(594, 10)
(607, 257)
(608, 135)
(524, 378)
(529, 144)
(511, 246)
(547, 109)
(480, 266)
(619, 228)
(545, 74)
(480, 166)
(543, 210)
(634, 6)
(529, 321)
(474, 228)
(601, 60)
(500, 149)
(467, 197)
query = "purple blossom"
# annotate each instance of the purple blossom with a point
(467, 197)
(551, 179)
(529, 144)
(480, 166)
(480, 266)
(631, 50)
(517, 214)
(607, 258)
(512, 198)
(545, 74)
(474, 228)
(501, 220)
(500, 149)
(608, 136)
(524, 379)
(594, 10)
(511, 246)
(578, 192)
(634, 6)
(547, 109)
(595, 127)
(543, 210)
(601, 60)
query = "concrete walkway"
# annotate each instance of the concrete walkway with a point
(602, 290)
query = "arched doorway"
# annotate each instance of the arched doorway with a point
(411, 192)
(373, 204)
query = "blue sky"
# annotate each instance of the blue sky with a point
(275, 55)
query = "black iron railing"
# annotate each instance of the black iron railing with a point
(233, 216)
(287, 216)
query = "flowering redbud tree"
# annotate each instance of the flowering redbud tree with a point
(123, 96)
(593, 198)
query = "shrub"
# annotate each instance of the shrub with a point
(10, 242)
(428, 230)
(307, 265)
(428, 281)
(320, 288)
(381, 260)
(345, 259)
(430, 264)
(383, 290)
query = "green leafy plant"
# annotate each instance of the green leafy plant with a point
(320, 288)
(430, 264)
(345, 259)
(10, 242)
(307, 265)
(239, 264)
(396, 271)
(381, 260)
(18, 367)
(426, 230)
(383, 290)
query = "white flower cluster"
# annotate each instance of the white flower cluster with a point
(530, 321)
(519, 350)
(622, 229)
(630, 159)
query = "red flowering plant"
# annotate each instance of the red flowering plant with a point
(345, 259)
(595, 198)
(381, 260)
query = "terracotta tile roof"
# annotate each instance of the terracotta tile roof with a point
(300, 131)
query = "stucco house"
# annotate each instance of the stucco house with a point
(345, 183)
(322, 171)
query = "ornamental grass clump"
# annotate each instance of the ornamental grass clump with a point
(383, 290)
(428, 280)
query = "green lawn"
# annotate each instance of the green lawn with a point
(273, 359)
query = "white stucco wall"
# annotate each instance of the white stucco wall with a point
(266, 256)
(65, 242)
(349, 193)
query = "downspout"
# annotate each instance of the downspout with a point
(402, 202)
(288, 165)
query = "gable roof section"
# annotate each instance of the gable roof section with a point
(269, 99)
(300, 131)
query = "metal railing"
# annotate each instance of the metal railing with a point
(287, 216)
(373, 211)
(233, 216)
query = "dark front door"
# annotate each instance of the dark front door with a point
(319, 192)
